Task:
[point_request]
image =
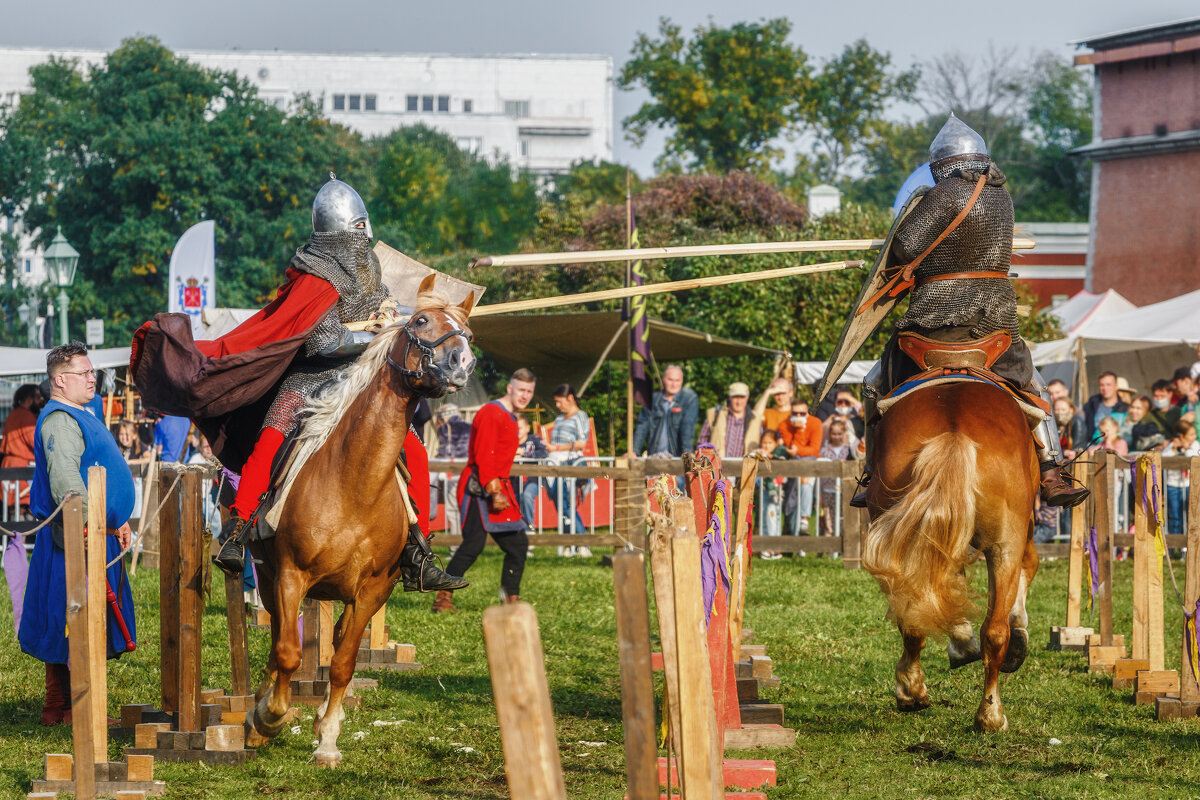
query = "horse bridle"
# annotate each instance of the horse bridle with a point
(426, 365)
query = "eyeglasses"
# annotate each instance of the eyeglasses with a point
(87, 373)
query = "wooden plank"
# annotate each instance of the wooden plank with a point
(310, 647)
(854, 520)
(168, 587)
(378, 631)
(97, 617)
(739, 562)
(239, 645)
(82, 699)
(191, 598)
(149, 524)
(1156, 644)
(1189, 688)
(522, 696)
(664, 601)
(1102, 495)
(1139, 643)
(325, 634)
(698, 716)
(637, 686)
(1075, 567)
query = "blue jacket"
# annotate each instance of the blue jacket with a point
(680, 422)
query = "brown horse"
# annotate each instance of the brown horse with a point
(345, 521)
(955, 477)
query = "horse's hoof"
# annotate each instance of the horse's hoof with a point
(327, 760)
(252, 736)
(988, 724)
(967, 655)
(1018, 647)
(909, 704)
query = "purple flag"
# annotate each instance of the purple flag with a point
(16, 570)
(1094, 560)
(639, 333)
(714, 550)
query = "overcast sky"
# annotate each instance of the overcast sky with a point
(912, 30)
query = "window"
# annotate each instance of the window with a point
(369, 102)
(443, 103)
(427, 102)
(471, 144)
(516, 108)
(355, 102)
(339, 102)
(525, 147)
(467, 105)
(410, 102)
(28, 266)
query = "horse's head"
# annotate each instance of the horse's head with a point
(433, 351)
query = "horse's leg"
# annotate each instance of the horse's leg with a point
(266, 593)
(963, 647)
(1004, 576)
(911, 694)
(346, 638)
(1018, 620)
(265, 720)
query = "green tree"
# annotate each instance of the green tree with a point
(129, 155)
(592, 182)
(726, 93)
(433, 198)
(851, 92)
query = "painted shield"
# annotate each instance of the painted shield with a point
(860, 326)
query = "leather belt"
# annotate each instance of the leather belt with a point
(955, 276)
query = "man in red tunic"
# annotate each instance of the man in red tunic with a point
(16, 442)
(246, 390)
(485, 495)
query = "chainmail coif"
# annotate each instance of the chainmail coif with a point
(982, 242)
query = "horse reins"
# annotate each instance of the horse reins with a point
(426, 348)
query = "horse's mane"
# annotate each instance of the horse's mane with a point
(325, 411)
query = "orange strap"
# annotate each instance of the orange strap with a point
(902, 279)
(954, 276)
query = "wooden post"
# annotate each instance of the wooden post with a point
(739, 557)
(1189, 689)
(379, 628)
(700, 754)
(1155, 645)
(1075, 568)
(147, 526)
(325, 633)
(1105, 485)
(82, 699)
(1140, 641)
(97, 603)
(191, 598)
(168, 584)
(629, 501)
(661, 567)
(853, 519)
(239, 659)
(522, 696)
(310, 654)
(637, 686)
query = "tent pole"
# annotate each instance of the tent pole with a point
(628, 315)
(1081, 381)
(603, 357)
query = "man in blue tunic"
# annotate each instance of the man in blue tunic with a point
(68, 440)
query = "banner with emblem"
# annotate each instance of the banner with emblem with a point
(192, 280)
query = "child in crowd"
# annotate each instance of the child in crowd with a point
(770, 447)
(1177, 480)
(836, 448)
(1110, 428)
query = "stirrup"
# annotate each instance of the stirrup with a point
(859, 500)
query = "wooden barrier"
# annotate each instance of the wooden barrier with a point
(1187, 704)
(1074, 636)
(637, 686)
(87, 773)
(522, 696)
(191, 723)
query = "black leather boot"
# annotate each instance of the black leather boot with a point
(419, 567)
(860, 498)
(232, 558)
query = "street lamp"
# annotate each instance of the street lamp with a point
(61, 259)
(27, 311)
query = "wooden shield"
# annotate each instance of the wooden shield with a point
(860, 326)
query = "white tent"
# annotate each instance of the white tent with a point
(1075, 317)
(32, 361)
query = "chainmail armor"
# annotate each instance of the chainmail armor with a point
(345, 259)
(982, 242)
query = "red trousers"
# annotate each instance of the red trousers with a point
(256, 473)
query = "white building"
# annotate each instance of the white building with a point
(539, 112)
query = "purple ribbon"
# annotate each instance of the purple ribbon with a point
(1094, 560)
(1196, 625)
(16, 571)
(714, 551)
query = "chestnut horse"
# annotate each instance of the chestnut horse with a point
(345, 521)
(955, 476)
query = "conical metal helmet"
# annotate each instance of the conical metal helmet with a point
(956, 139)
(337, 207)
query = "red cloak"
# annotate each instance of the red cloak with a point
(226, 385)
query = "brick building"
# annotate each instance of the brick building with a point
(1145, 214)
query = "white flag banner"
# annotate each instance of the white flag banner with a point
(192, 281)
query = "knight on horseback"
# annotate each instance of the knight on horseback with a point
(282, 356)
(956, 247)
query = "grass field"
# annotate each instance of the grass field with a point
(823, 626)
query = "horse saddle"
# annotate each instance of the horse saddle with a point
(954, 362)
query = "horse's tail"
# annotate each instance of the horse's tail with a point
(917, 548)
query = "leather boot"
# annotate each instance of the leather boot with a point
(860, 497)
(232, 558)
(443, 602)
(58, 696)
(419, 567)
(1057, 492)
